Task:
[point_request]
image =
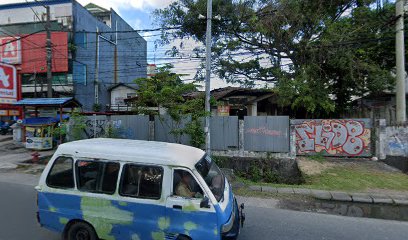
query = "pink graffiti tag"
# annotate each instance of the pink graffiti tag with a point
(264, 131)
(334, 136)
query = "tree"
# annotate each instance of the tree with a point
(318, 54)
(165, 90)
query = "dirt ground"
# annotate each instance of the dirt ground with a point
(313, 167)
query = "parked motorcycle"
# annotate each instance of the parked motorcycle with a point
(6, 129)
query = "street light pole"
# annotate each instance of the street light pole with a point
(208, 78)
(400, 59)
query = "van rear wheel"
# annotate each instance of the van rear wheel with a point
(81, 231)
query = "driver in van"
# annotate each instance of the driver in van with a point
(183, 188)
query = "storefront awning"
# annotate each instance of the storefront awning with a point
(49, 102)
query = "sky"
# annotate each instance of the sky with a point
(138, 13)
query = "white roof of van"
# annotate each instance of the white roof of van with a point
(133, 151)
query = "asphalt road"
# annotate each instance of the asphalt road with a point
(18, 206)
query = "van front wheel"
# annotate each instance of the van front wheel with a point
(183, 237)
(81, 231)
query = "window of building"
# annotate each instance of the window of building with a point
(98, 177)
(141, 181)
(61, 174)
(130, 95)
(81, 39)
(79, 73)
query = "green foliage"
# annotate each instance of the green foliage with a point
(60, 131)
(77, 125)
(260, 172)
(111, 131)
(167, 91)
(319, 157)
(96, 107)
(221, 161)
(319, 54)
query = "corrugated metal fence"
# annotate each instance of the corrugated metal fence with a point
(260, 134)
(224, 133)
(266, 134)
(166, 130)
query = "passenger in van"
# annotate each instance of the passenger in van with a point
(110, 178)
(183, 188)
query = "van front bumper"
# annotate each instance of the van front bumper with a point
(238, 223)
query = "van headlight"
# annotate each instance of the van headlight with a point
(229, 224)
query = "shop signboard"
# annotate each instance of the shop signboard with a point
(10, 50)
(8, 84)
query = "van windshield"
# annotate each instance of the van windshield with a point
(212, 175)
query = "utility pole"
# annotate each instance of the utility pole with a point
(97, 68)
(49, 53)
(400, 59)
(208, 78)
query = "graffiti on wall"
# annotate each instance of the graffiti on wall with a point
(397, 141)
(95, 128)
(264, 131)
(333, 137)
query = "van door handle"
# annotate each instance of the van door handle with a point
(177, 207)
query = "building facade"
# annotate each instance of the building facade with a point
(92, 49)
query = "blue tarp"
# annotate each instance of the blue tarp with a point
(40, 121)
(44, 101)
(64, 117)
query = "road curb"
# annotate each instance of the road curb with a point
(338, 196)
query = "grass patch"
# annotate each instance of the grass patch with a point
(350, 178)
(318, 157)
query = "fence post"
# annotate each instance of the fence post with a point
(151, 131)
(94, 125)
(380, 140)
(241, 138)
(292, 141)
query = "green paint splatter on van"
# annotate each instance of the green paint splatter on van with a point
(215, 231)
(135, 237)
(121, 203)
(189, 226)
(163, 223)
(158, 235)
(63, 220)
(102, 214)
(190, 208)
(52, 209)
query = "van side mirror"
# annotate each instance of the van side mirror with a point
(205, 203)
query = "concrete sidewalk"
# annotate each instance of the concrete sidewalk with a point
(376, 198)
(14, 154)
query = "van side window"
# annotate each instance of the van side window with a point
(98, 177)
(61, 174)
(184, 185)
(141, 181)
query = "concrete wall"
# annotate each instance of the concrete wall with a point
(396, 141)
(129, 49)
(393, 146)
